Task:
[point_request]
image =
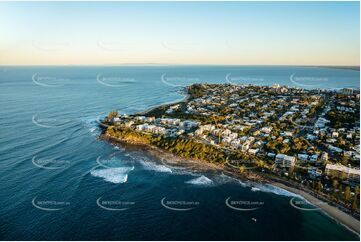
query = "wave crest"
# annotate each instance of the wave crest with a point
(202, 180)
(113, 175)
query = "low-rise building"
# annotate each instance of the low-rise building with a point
(314, 172)
(341, 170)
(285, 160)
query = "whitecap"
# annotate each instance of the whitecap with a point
(92, 125)
(119, 148)
(202, 180)
(275, 190)
(148, 165)
(113, 175)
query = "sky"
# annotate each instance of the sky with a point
(224, 33)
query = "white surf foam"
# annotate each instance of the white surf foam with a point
(113, 175)
(272, 189)
(149, 165)
(92, 125)
(255, 189)
(202, 180)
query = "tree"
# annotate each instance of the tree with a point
(318, 186)
(242, 169)
(354, 204)
(357, 191)
(112, 114)
(344, 160)
(347, 193)
(334, 184)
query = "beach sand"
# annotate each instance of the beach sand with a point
(333, 212)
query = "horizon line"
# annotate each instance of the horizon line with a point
(182, 64)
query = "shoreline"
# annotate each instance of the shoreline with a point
(185, 98)
(333, 212)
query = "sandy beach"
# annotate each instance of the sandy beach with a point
(340, 216)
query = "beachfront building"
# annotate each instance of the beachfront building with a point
(342, 171)
(285, 160)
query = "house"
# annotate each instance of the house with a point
(141, 127)
(233, 135)
(171, 121)
(129, 124)
(245, 146)
(347, 91)
(235, 143)
(314, 172)
(285, 160)
(116, 119)
(188, 124)
(208, 127)
(198, 132)
(339, 170)
(303, 157)
(227, 132)
(253, 151)
(313, 158)
(271, 155)
(141, 118)
(334, 149)
(324, 157)
(226, 140)
(266, 130)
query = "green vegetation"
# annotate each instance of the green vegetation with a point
(181, 146)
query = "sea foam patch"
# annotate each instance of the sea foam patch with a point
(113, 175)
(202, 181)
(91, 125)
(149, 165)
(273, 189)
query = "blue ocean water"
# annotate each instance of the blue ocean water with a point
(58, 182)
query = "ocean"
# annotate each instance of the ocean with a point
(59, 182)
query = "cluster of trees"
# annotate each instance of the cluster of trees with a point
(128, 134)
(196, 90)
(111, 115)
(344, 194)
(181, 146)
(189, 148)
(296, 145)
(341, 119)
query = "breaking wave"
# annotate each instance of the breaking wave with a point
(202, 180)
(91, 125)
(113, 175)
(275, 190)
(148, 165)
